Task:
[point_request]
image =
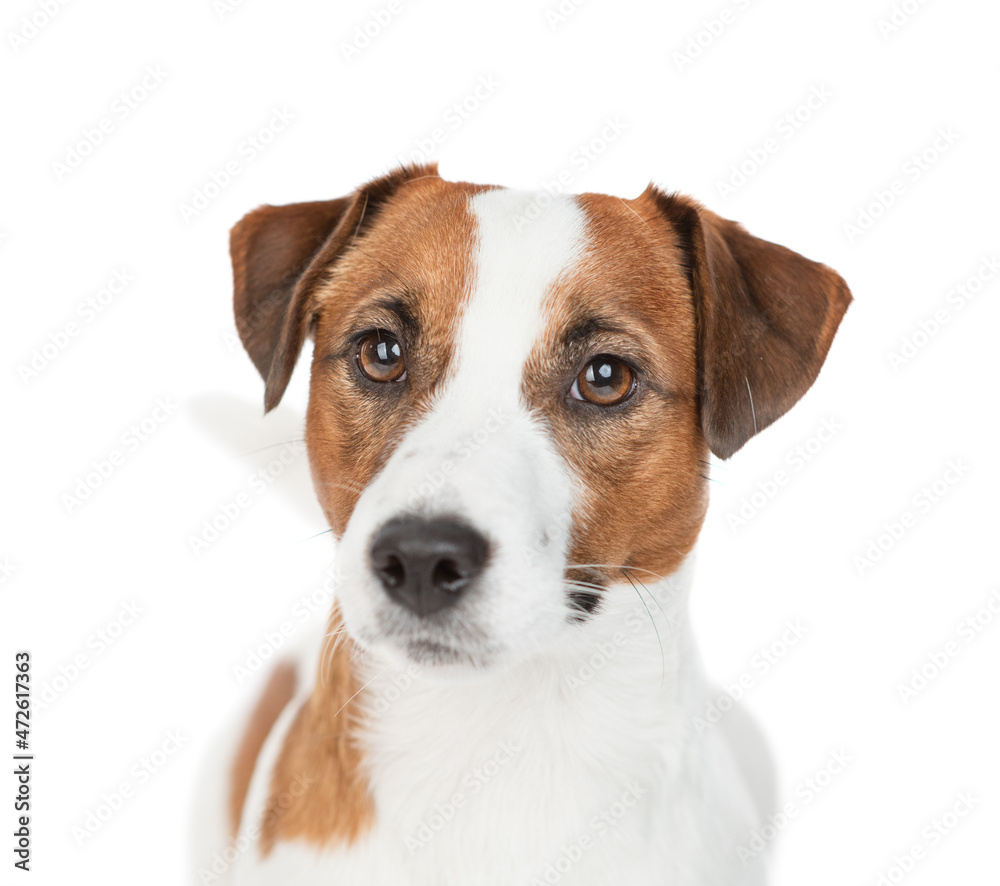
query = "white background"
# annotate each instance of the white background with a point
(69, 568)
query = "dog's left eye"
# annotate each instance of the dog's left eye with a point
(380, 357)
(604, 381)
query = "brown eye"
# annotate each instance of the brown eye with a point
(604, 381)
(380, 357)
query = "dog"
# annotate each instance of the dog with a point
(512, 404)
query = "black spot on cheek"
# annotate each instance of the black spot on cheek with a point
(582, 605)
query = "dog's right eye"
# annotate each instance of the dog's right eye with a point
(380, 357)
(604, 381)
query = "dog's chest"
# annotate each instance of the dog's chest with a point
(524, 782)
(578, 769)
(521, 782)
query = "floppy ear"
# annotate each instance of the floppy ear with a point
(271, 248)
(766, 317)
(279, 253)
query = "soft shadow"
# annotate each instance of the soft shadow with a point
(242, 429)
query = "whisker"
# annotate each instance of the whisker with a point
(350, 487)
(418, 178)
(357, 228)
(652, 596)
(652, 621)
(372, 680)
(333, 642)
(753, 411)
(322, 661)
(621, 568)
(636, 214)
(272, 446)
(311, 537)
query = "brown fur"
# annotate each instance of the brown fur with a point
(278, 692)
(766, 320)
(319, 757)
(642, 463)
(709, 316)
(421, 254)
(271, 248)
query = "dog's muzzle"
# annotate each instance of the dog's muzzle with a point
(426, 565)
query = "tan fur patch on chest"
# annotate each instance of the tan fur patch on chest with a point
(319, 792)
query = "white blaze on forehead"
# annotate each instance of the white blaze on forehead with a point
(517, 260)
(479, 455)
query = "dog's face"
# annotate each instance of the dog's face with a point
(512, 399)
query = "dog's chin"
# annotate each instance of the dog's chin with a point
(444, 660)
(436, 656)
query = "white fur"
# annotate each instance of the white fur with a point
(585, 733)
(480, 456)
(575, 718)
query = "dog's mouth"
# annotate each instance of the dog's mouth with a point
(435, 646)
(429, 653)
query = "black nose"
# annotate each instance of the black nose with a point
(425, 565)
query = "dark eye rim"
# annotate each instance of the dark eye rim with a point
(359, 340)
(609, 407)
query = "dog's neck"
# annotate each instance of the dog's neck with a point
(556, 747)
(612, 689)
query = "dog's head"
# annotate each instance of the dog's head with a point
(514, 395)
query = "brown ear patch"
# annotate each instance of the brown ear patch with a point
(278, 692)
(766, 319)
(270, 249)
(319, 791)
(279, 255)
